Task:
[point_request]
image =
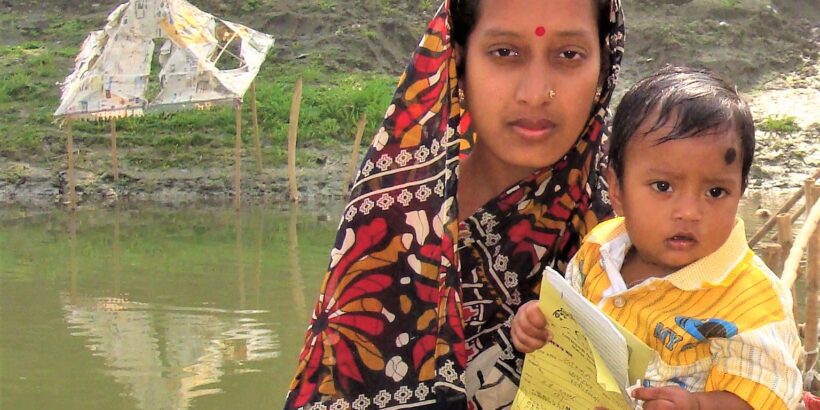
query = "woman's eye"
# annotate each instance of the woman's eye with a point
(570, 55)
(661, 186)
(504, 52)
(717, 192)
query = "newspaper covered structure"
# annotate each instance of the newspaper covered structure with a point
(198, 60)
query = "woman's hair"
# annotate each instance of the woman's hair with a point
(697, 100)
(466, 13)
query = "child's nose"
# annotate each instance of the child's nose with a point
(688, 209)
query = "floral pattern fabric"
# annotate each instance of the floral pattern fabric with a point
(411, 295)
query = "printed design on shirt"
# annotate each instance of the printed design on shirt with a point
(668, 338)
(702, 330)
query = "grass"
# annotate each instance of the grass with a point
(779, 124)
(332, 104)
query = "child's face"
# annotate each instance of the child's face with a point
(680, 197)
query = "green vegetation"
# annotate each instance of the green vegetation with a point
(777, 124)
(349, 54)
(331, 106)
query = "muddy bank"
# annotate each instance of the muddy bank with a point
(783, 162)
(30, 185)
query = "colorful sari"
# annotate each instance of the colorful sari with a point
(415, 308)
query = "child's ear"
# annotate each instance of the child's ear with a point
(614, 191)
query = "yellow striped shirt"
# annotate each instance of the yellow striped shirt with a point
(722, 323)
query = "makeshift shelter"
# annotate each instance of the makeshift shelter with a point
(202, 61)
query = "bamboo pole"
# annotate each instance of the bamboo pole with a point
(293, 129)
(785, 240)
(354, 156)
(114, 162)
(72, 193)
(800, 243)
(255, 121)
(773, 219)
(237, 158)
(770, 253)
(812, 273)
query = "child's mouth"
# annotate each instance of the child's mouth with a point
(681, 242)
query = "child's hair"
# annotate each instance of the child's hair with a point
(465, 14)
(699, 100)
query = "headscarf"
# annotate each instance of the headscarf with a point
(390, 327)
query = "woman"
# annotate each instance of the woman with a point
(484, 172)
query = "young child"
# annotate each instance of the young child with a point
(674, 267)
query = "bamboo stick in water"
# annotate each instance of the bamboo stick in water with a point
(293, 129)
(354, 157)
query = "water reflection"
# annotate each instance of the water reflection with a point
(150, 308)
(167, 355)
(239, 257)
(296, 280)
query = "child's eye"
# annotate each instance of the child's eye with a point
(661, 186)
(718, 192)
(504, 52)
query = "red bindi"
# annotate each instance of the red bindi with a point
(540, 31)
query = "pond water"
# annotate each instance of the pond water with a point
(162, 308)
(156, 308)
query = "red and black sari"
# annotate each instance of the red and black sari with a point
(414, 310)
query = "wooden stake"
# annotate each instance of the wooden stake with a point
(784, 239)
(72, 193)
(785, 208)
(354, 157)
(800, 244)
(237, 159)
(293, 129)
(114, 162)
(812, 273)
(770, 253)
(255, 121)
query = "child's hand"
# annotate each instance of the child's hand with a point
(669, 397)
(673, 397)
(529, 328)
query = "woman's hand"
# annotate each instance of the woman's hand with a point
(529, 328)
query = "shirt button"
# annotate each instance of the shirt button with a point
(619, 302)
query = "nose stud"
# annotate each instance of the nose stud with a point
(552, 94)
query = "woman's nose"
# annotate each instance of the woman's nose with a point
(534, 86)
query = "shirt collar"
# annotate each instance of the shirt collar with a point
(709, 271)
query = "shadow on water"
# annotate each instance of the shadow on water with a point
(165, 308)
(156, 308)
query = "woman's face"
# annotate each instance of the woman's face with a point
(517, 53)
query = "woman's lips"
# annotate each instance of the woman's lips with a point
(533, 128)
